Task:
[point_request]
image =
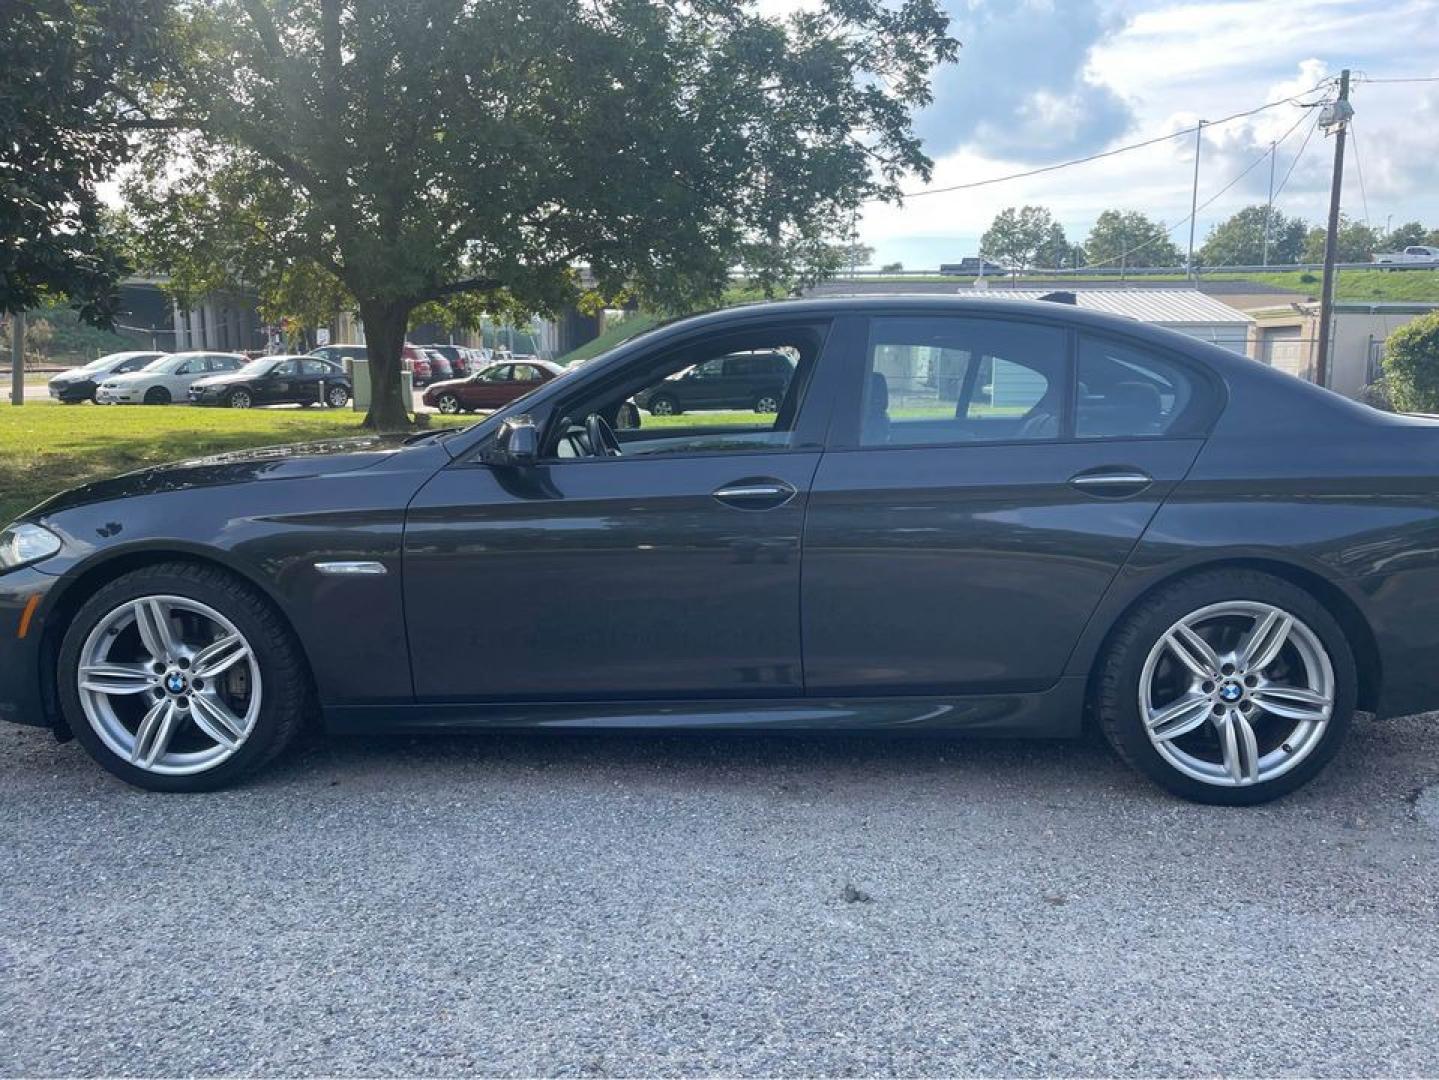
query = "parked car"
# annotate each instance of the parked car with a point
(440, 368)
(458, 357)
(277, 380)
(78, 384)
(973, 266)
(416, 361)
(165, 380)
(1217, 561)
(749, 380)
(1414, 253)
(340, 355)
(496, 385)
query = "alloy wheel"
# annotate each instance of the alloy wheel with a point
(448, 404)
(338, 397)
(169, 685)
(1236, 693)
(766, 404)
(240, 399)
(662, 407)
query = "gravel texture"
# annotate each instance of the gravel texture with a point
(718, 904)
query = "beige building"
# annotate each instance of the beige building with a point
(1287, 337)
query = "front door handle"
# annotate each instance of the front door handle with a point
(763, 493)
(1112, 483)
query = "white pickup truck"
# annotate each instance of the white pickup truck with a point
(1414, 253)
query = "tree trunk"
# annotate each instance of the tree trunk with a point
(385, 325)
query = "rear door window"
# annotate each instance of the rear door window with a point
(1126, 390)
(943, 379)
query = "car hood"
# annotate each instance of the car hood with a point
(77, 374)
(233, 467)
(220, 380)
(446, 384)
(129, 377)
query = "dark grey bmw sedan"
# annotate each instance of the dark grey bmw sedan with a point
(976, 515)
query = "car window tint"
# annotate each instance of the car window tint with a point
(526, 373)
(222, 363)
(286, 369)
(136, 363)
(314, 367)
(1126, 390)
(941, 379)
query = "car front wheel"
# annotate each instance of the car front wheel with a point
(239, 399)
(664, 405)
(448, 404)
(1231, 688)
(178, 677)
(766, 403)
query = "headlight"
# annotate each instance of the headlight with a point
(23, 544)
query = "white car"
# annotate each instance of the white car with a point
(166, 379)
(1414, 253)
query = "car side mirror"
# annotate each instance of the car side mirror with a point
(516, 445)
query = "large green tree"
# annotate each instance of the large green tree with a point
(1357, 242)
(1129, 238)
(74, 86)
(1239, 239)
(418, 150)
(1022, 237)
(1402, 236)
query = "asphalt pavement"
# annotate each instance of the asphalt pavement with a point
(604, 904)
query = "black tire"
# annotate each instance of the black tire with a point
(157, 395)
(664, 405)
(287, 697)
(1118, 681)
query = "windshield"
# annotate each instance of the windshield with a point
(104, 362)
(158, 363)
(258, 367)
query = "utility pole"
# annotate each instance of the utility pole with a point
(1194, 199)
(1269, 206)
(1338, 117)
(17, 358)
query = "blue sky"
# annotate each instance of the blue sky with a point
(1040, 81)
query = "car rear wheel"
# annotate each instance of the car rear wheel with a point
(179, 677)
(664, 405)
(239, 399)
(157, 395)
(337, 397)
(1231, 688)
(766, 403)
(448, 404)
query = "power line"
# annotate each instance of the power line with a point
(1420, 79)
(1359, 168)
(1294, 99)
(1215, 197)
(1298, 154)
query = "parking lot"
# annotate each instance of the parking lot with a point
(722, 904)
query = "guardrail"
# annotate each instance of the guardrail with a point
(1138, 271)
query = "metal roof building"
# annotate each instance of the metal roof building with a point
(1188, 311)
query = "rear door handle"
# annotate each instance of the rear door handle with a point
(1112, 483)
(764, 493)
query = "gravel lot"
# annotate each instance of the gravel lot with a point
(737, 904)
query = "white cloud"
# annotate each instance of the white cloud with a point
(1168, 64)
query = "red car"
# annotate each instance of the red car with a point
(496, 385)
(416, 362)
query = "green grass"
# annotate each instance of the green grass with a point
(46, 448)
